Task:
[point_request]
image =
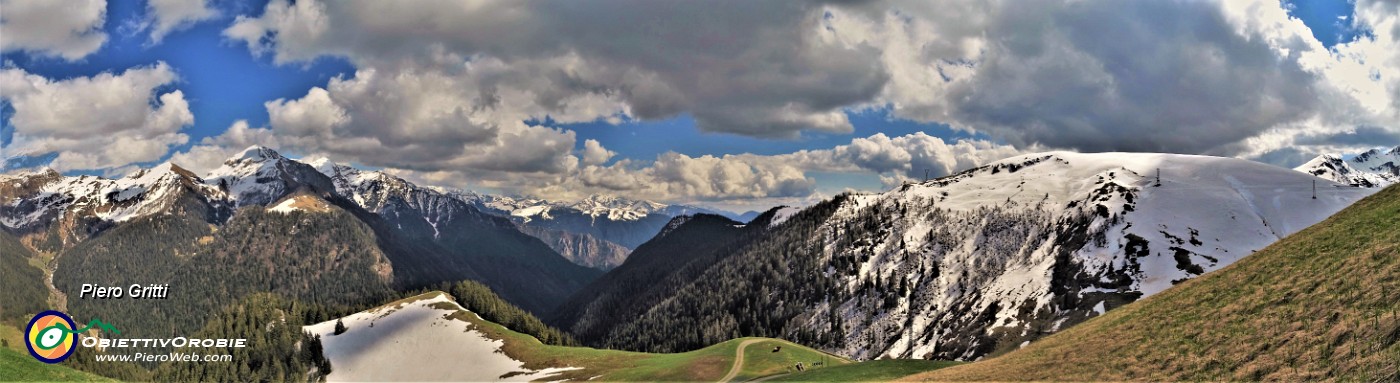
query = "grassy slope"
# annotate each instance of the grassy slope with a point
(760, 360)
(16, 366)
(12, 338)
(875, 370)
(1321, 304)
(708, 363)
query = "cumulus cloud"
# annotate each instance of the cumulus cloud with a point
(312, 115)
(442, 88)
(428, 121)
(1357, 87)
(1190, 77)
(595, 154)
(104, 121)
(905, 157)
(166, 16)
(677, 177)
(67, 29)
(1088, 75)
(731, 180)
(1381, 49)
(753, 68)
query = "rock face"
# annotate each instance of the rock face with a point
(581, 249)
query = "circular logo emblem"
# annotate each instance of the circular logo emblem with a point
(50, 336)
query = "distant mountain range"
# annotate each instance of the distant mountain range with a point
(1374, 168)
(960, 267)
(598, 231)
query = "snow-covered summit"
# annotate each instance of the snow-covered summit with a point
(616, 208)
(259, 176)
(255, 153)
(1374, 168)
(29, 173)
(1379, 160)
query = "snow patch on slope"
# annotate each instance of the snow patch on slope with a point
(287, 206)
(526, 213)
(300, 202)
(783, 214)
(418, 341)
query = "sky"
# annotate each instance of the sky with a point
(736, 105)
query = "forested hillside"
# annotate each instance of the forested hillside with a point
(655, 271)
(24, 293)
(324, 258)
(481, 300)
(667, 296)
(278, 350)
(433, 237)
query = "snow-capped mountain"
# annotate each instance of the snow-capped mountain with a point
(396, 198)
(611, 208)
(1374, 168)
(391, 196)
(987, 259)
(597, 231)
(260, 176)
(428, 236)
(82, 205)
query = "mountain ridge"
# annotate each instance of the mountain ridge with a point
(984, 260)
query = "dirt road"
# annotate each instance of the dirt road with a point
(738, 359)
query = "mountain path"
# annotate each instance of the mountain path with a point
(738, 359)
